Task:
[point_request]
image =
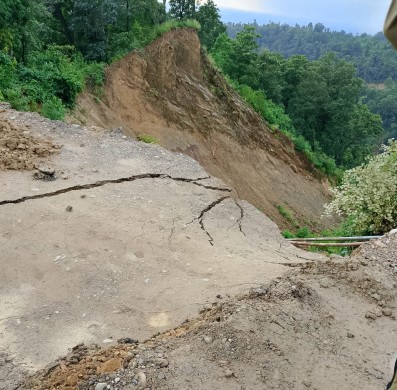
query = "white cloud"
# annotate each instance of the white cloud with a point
(246, 5)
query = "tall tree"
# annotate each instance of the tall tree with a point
(211, 26)
(182, 9)
(91, 20)
(61, 11)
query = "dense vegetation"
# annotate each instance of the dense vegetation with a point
(383, 101)
(368, 194)
(51, 49)
(317, 103)
(373, 56)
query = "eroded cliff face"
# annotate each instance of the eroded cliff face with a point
(172, 92)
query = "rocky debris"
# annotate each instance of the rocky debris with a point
(228, 373)
(20, 150)
(265, 338)
(12, 375)
(124, 340)
(387, 312)
(45, 173)
(382, 252)
(371, 315)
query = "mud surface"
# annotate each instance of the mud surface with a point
(130, 240)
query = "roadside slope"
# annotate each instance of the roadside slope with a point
(173, 93)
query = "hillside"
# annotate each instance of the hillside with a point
(174, 94)
(129, 266)
(373, 56)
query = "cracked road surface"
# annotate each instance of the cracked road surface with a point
(149, 240)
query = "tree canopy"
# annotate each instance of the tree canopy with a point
(372, 55)
(322, 98)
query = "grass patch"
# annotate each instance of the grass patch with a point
(286, 214)
(147, 139)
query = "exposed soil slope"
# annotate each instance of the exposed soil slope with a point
(172, 92)
(324, 325)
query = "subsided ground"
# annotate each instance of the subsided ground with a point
(130, 240)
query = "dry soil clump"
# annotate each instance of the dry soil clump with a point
(19, 150)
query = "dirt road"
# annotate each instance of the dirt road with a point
(129, 240)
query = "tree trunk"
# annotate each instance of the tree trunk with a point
(59, 15)
(128, 27)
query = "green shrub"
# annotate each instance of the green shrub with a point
(122, 44)
(303, 232)
(287, 234)
(368, 194)
(53, 109)
(51, 81)
(147, 139)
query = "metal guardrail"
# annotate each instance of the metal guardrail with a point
(332, 241)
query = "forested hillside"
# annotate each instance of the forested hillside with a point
(318, 103)
(373, 56)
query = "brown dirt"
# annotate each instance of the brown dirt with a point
(324, 325)
(19, 150)
(173, 93)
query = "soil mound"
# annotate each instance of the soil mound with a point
(173, 93)
(19, 150)
(382, 252)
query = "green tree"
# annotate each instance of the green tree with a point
(211, 26)
(307, 107)
(360, 136)
(271, 77)
(91, 20)
(22, 27)
(182, 9)
(61, 11)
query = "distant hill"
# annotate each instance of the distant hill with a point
(373, 56)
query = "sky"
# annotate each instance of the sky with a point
(355, 16)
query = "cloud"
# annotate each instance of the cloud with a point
(246, 5)
(369, 14)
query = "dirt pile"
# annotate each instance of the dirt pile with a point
(173, 93)
(19, 150)
(324, 325)
(382, 252)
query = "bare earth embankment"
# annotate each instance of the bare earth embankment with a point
(172, 92)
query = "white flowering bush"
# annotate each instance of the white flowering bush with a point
(368, 194)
